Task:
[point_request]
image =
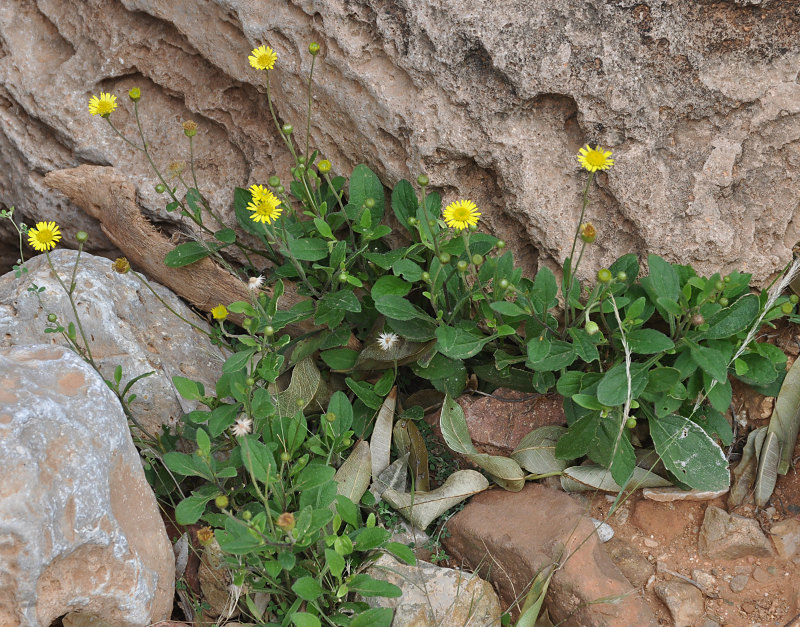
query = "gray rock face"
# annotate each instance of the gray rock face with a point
(684, 601)
(698, 101)
(127, 325)
(727, 536)
(80, 529)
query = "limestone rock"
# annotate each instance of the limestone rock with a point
(697, 101)
(127, 325)
(727, 536)
(80, 529)
(786, 537)
(683, 600)
(510, 537)
(433, 595)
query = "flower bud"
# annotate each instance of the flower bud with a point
(461, 265)
(81, 237)
(52, 317)
(221, 501)
(190, 128)
(787, 308)
(286, 521)
(205, 535)
(269, 331)
(503, 283)
(286, 457)
(587, 232)
(697, 320)
(477, 259)
(274, 181)
(500, 244)
(324, 166)
(161, 188)
(313, 48)
(423, 180)
(369, 203)
(121, 265)
(134, 94)
(444, 258)
(591, 327)
(287, 129)
(604, 275)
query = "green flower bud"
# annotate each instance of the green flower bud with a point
(134, 94)
(313, 48)
(190, 128)
(369, 203)
(724, 301)
(300, 402)
(794, 299)
(622, 276)
(631, 422)
(161, 188)
(81, 237)
(343, 277)
(286, 457)
(604, 275)
(591, 327)
(423, 180)
(431, 223)
(412, 221)
(503, 283)
(52, 317)
(444, 258)
(280, 189)
(477, 259)
(287, 129)
(787, 308)
(247, 515)
(221, 501)
(719, 285)
(330, 416)
(500, 244)
(274, 181)
(249, 381)
(462, 265)
(426, 276)
(269, 331)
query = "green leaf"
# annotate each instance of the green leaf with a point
(226, 236)
(757, 370)
(404, 202)
(734, 319)
(258, 458)
(689, 453)
(397, 307)
(191, 508)
(304, 619)
(344, 300)
(454, 428)
(188, 252)
(648, 341)
(458, 343)
(560, 355)
(368, 538)
(663, 281)
(613, 387)
(366, 586)
(785, 420)
(504, 308)
(578, 438)
(584, 346)
(374, 617)
(365, 184)
(308, 249)
(408, 269)
(323, 228)
(710, 360)
(544, 290)
(335, 563)
(390, 285)
(308, 589)
(365, 392)
(187, 465)
(401, 552)
(536, 452)
(188, 389)
(222, 417)
(238, 361)
(340, 358)
(660, 380)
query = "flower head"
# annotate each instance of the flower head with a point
(265, 205)
(44, 236)
(594, 159)
(263, 58)
(102, 106)
(175, 169)
(587, 232)
(286, 521)
(461, 214)
(220, 312)
(121, 265)
(134, 93)
(255, 282)
(387, 339)
(205, 535)
(242, 426)
(189, 128)
(324, 166)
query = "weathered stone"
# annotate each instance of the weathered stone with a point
(633, 564)
(80, 529)
(126, 324)
(697, 100)
(786, 537)
(433, 595)
(511, 537)
(497, 423)
(739, 583)
(683, 600)
(727, 536)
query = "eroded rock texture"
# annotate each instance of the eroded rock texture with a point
(698, 101)
(80, 529)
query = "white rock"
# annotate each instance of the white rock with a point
(80, 529)
(125, 323)
(604, 530)
(433, 595)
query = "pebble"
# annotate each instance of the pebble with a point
(739, 582)
(703, 578)
(761, 575)
(649, 542)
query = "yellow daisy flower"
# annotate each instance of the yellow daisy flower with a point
(265, 206)
(594, 159)
(461, 214)
(263, 58)
(220, 312)
(102, 106)
(258, 192)
(44, 236)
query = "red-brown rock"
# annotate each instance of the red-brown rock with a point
(509, 537)
(497, 423)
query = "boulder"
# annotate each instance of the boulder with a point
(697, 100)
(510, 537)
(126, 323)
(433, 595)
(80, 530)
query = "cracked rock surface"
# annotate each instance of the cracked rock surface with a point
(698, 101)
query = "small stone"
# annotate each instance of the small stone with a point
(604, 530)
(633, 564)
(726, 536)
(709, 622)
(786, 537)
(683, 600)
(650, 543)
(621, 515)
(761, 575)
(706, 580)
(739, 582)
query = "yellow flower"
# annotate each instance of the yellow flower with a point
(461, 214)
(265, 205)
(263, 58)
(258, 192)
(121, 265)
(44, 236)
(220, 312)
(104, 105)
(594, 159)
(587, 232)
